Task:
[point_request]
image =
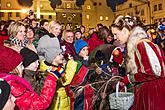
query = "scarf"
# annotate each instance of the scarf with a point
(21, 43)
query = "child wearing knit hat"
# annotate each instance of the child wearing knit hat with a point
(30, 59)
(54, 60)
(26, 97)
(81, 98)
(81, 48)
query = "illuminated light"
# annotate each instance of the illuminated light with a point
(68, 5)
(42, 13)
(24, 11)
(8, 4)
(74, 14)
(10, 10)
(106, 18)
(64, 15)
(87, 16)
(88, 7)
(101, 18)
(41, 5)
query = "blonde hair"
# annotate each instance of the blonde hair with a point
(52, 24)
(14, 28)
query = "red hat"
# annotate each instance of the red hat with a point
(9, 59)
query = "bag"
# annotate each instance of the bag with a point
(121, 100)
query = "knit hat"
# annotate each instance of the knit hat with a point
(78, 30)
(9, 59)
(4, 93)
(79, 44)
(29, 56)
(51, 54)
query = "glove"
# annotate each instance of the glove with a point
(56, 72)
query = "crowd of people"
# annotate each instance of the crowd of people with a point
(43, 66)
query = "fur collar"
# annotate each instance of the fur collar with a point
(136, 35)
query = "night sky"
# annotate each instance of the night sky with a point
(110, 3)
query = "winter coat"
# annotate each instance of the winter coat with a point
(3, 36)
(26, 98)
(94, 42)
(80, 99)
(69, 49)
(146, 65)
(61, 100)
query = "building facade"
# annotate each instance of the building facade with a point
(96, 11)
(10, 10)
(149, 11)
(90, 14)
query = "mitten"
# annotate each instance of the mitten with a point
(56, 72)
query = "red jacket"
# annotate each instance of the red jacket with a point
(3, 36)
(26, 98)
(94, 42)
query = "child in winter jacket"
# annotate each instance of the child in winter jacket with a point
(80, 100)
(26, 98)
(54, 58)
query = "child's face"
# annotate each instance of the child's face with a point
(84, 52)
(58, 60)
(78, 35)
(33, 66)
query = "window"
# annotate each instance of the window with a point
(10, 14)
(1, 14)
(64, 15)
(142, 12)
(41, 6)
(17, 14)
(95, 3)
(88, 7)
(87, 16)
(8, 4)
(100, 4)
(50, 16)
(160, 7)
(155, 20)
(155, 7)
(42, 16)
(130, 5)
(106, 18)
(68, 5)
(101, 18)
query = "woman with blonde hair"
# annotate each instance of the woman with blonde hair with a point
(49, 40)
(145, 64)
(17, 34)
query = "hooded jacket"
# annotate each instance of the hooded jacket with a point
(26, 98)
